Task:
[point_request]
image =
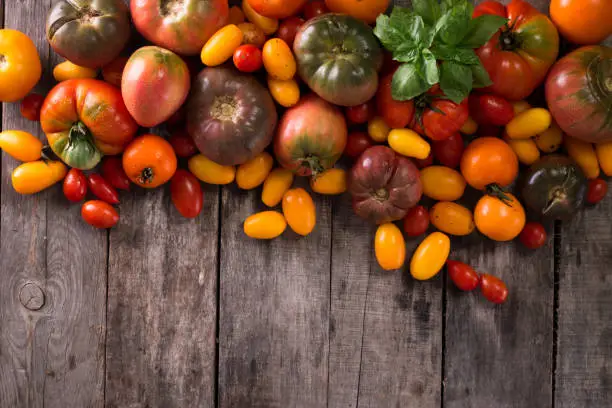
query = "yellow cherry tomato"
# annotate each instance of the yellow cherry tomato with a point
(378, 129)
(499, 219)
(254, 172)
(35, 176)
(221, 46)
(276, 185)
(550, 140)
(430, 256)
(210, 172)
(469, 127)
(67, 70)
(268, 25)
(529, 123)
(442, 183)
(409, 143)
(452, 218)
(278, 59)
(520, 107)
(285, 92)
(299, 211)
(389, 247)
(526, 150)
(20, 145)
(20, 67)
(604, 155)
(265, 225)
(236, 16)
(584, 155)
(331, 182)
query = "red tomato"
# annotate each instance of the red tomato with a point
(416, 221)
(426, 162)
(178, 117)
(442, 118)
(397, 114)
(357, 143)
(314, 9)
(75, 185)
(533, 235)
(31, 105)
(102, 189)
(186, 193)
(448, 152)
(183, 144)
(99, 214)
(389, 64)
(598, 189)
(247, 58)
(493, 289)
(462, 275)
(288, 28)
(360, 114)
(488, 109)
(113, 173)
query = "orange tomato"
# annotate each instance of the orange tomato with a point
(489, 160)
(366, 10)
(67, 70)
(265, 225)
(113, 72)
(149, 161)
(20, 67)
(299, 211)
(389, 247)
(582, 21)
(277, 8)
(276, 185)
(499, 219)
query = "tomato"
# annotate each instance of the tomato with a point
(526, 150)
(35, 176)
(149, 161)
(267, 25)
(254, 172)
(604, 156)
(488, 109)
(247, 58)
(265, 225)
(416, 221)
(299, 211)
(441, 118)
(285, 93)
(314, 9)
(251, 34)
(520, 107)
(235, 16)
(20, 65)
(488, 131)
(210, 172)
(597, 191)
(584, 155)
(288, 28)
(529, 123)
(378, 129)
(489, 160)
(389, 247)
(186, 194)
(442, 183)
(462, 275)
(21, 145)
(67, 70)
(500, 218)
(426, 162)
(331, 182)
(452, 218)
(408, 143)
(183, 144)
(102, 189)
(469, 127)
(533, 235)
(550, 140)
(397, 114)
(75, 185)
(278, 59)
(113, 71)
(493, 289)
(360, 114)
(430, 256)
(449, 151)
(30, 106)
(113, 173)
(276, 185)
(221, 46)
(178, 117)
(582, 21)
(277, 8)
(99, 214)
(366, 10)
(357, 143)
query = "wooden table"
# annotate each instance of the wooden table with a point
(165, 312)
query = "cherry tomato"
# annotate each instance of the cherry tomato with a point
(397, 114)
(462, 275)
(489, 160)
(288, 28)
(389, 247)
(449, 151)
(416, 221)
(598, 189)
(357, 143)
(99, 214)
(247, 58)
(314, 9)
(361, 113)
(30, 107)
(493, 289)
(443, 118)
(430, 256)
(533, 235)
(183, 144)
(422, 163)
(299, 211)
(75, 185)
(497, 219)
(102, 189)
(490, 109)
(389, 64)
(186, 193)
(112, 171)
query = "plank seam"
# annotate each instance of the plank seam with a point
(329, 312)
(443, 362)
(218, 320)
(557, 242)
(106, 316)
(365, 306)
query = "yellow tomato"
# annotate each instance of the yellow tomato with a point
(550, 140)
(35, 176)
(221, 46)
(236, 16)
(20, 67)
(276, 185)
(499, 220)
(442, 183)
(389, 247)
(409, 143)
(332, 181)
(430, 256)
(67, 70)
(265, 225)
(520, 107)
(529, 123)
(378, 129)
(254, 172)
(452, 218)
(469, 127)
(22, 146)
(251, 34)
(278, 59)
(604, 155)
(268, 25)
(584, 155)
(526, 150)
(299, 211)
(285, 92)
(210, 172)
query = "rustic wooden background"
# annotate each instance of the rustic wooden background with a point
(166, 312)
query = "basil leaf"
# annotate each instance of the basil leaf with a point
(481, 29)
(449, 4)
(428, 9)
(406, 54)
(389, 35)
(450, 53)
(407, 83)
(480, 76)
(429, 68)
(453, 25)
(455, 80)
(412, 26)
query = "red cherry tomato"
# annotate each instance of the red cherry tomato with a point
(247, 58)
(360, 114)
(183, 144)
(186, 193)
(533, 235)
(314, 9)
(426, 162)
(493, 289)
(30, 107)
(448, 152)
(442, 118)
(99, 214)
(112, 171)
(288, 28)
(357, 143)
(75, 185)
(464, 276)
(389, 64)
(598, 189)
(178, 117)
(490, 109)
(102, 189)
(416, 221)
(397, 114)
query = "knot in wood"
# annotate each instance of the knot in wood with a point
(31, 296)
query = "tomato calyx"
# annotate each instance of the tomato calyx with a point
(3, 61)
(494, 190)
(424, 102)
(559, 194)
(312, 163)
(508, 40)
(47, 154)
(80, 135)
(146, 176)
(382, 194)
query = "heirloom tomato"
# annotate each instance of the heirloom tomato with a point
(99, 214)
(489, 160)
(75, 185)
(186, 193)
(500, 217)
(366, 10)
(149, 161)
(20, 67)
(582, 21)
(30, 106)
(389, 247)
(277, 8)
(462, 275)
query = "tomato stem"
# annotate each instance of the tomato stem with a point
(508, 40)
(146, 176)
(313, 164)
(494, 190)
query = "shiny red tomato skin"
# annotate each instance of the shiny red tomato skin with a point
(183, 144)
(533, 235)
(99, 214)
(597, 191)
(449, 151)
(416, 221)
(462, 275)
(397, 114)
(30, 107)
(360, 114)
(493, 289)
(288, 28)
(102, 189)
(440, 126)
(314, 9)
(357, 143)
(426, 162)
(487, 109)
(75, 185)
(113, 173)
(247, 58)
(186, 193)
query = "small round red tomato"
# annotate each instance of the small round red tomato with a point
(426, 162)
(360, 114)
(449, 151)
(357, 143)
(493, 289)
(288, 28)
(533, 235)
(443, 118)
(247, 58)
(314, 9)
(462, 275)
(30, 107)
(397, 114)
(389, 64)
(186, 193)
(416, 221)
(102, 189)
(99, 214)
(488, 109)
(112, 171)
(183, 144)
(75, 185)
(598, 189)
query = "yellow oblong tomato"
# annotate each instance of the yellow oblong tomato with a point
(408, 143)
(35, 176)
(430, 256)
(254, 172)
(469, 127)
(20, 145)
(550, 140)
(442, 183)
(265, 225)
(278, 59)
(604, 155)
(525, 149)
(378, 129)
(500, 218)
(210, 172)
(276, 185)
(285, 92)
(221, 46)
(452, 218)
(529, 123)
(331, 182)
(67, 70)
(20, 69)
(267, 25)
(389, 247)
(299, 211)
(584, 155)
